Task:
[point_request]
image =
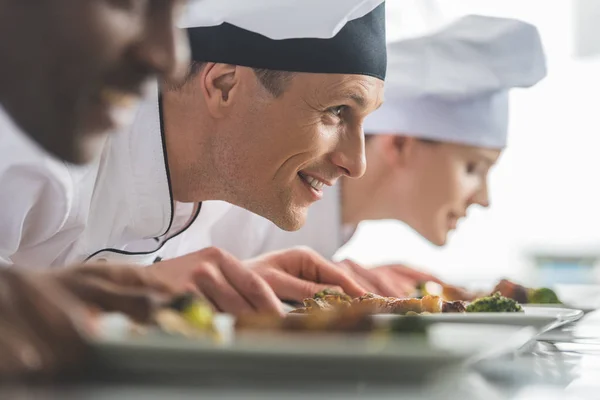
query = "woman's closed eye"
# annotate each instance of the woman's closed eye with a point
(476, 168)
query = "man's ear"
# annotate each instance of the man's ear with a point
(396, 150)
(219, 85)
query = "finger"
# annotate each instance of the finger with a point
(290, 288)
(50, 319)
(417, 276)
(21, 355)
(324, 272)
(138, 303)
(126, 276)
(399, 279)
(308, 265)
(250, 285)
(400, 284)
(378, 284)
(219, 292)
(362, 280)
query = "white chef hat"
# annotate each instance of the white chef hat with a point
(278, 19)
(453, 85)
(331, 36)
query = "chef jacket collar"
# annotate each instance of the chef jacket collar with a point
(152, 197)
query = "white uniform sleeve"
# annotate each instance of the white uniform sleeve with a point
(35, 196)
(248, 235)
(241, 233)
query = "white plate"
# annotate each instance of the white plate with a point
(541, 318)
(311, 356)
(583, 297)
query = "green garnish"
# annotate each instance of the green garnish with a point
(494, 303)
(542, 296)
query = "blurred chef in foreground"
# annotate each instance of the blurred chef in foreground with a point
(275, 98)
(85, 65)
(429, 149)
(68, 68)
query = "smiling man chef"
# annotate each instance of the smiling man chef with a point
(431, 145)
(265, 111)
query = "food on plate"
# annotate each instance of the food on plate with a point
(325, 300)
(330, 292)
(543, 296)
(374, 304)
(347, 320)
(445, 291)
(494, 303)
(505, 287)
(187, 315)
(331, 311)
(391, 305)
(329, 320)
(511, 290)
(526, 295)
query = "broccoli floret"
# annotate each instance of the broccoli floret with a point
(494, 303)
(542, 296)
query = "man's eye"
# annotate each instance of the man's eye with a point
(337, 110)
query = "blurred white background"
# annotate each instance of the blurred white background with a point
(545, 191)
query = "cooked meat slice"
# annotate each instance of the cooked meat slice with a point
(511, 290)
(390, 305)
(454, 307)
(374, 304)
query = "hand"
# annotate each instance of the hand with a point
(45, 317)
(376, 283)
(41, 326)
(388, 280)
(111, 288)
(299, 273)
(399, 271)
(222, 279)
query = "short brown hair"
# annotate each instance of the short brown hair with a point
(276, 82)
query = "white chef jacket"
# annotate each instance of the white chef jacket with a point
(118, 208)
(247, 235)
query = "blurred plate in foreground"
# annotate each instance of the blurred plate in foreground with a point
(274, 356)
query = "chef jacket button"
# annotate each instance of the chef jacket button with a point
(158, 259)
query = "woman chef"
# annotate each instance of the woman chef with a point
(429, 148)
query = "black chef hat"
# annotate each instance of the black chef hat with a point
(357, 44)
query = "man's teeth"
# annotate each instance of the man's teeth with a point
(315, 183)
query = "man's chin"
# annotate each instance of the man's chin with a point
(289, 221)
